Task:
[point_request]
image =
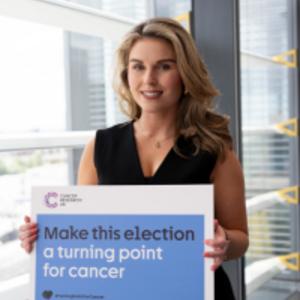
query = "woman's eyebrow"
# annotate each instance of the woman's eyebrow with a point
(159, 61)
(166, 60)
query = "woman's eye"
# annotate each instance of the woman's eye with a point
(138, 67)
(164, 67)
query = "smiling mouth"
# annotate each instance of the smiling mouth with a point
(152, 94)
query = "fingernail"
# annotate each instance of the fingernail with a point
(205, 255)
(34, 230)
(28, 247)
(32, 224)
(34, 236)
(208, 243)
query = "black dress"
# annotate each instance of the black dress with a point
(117, 162)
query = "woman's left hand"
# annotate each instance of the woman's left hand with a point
(219, 244)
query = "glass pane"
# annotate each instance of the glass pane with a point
(172, 9)
(32, 76)
(132, 9)
(19, 171)
(268, 158)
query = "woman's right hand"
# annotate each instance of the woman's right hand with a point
(28, 234)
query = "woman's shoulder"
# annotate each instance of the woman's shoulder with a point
(113, 133)
(229, 166)
(114, 130)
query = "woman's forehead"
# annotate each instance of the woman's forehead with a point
(152, 48)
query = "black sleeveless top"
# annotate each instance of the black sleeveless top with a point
(117, 162)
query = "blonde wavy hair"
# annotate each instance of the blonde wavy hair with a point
(196, 120)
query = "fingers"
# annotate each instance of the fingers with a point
(220, 243)
(28, 248)
(26, 243)
(217, 263)
(216, 224)
(215, 254)
(218, 257)
(27, 226)
(219, 246)
(27, 233)
(219, 236)
(27, 219)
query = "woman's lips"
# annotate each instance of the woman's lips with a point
(152, 95)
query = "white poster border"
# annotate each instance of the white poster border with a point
(131, 200)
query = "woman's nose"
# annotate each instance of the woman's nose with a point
(150, 78)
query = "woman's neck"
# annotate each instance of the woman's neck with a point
(155, 125)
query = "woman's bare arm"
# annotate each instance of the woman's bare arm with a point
(87, 174)
(230, 206)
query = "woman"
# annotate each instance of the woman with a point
(174, 137)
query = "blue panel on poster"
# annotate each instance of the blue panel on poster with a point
(120, 257)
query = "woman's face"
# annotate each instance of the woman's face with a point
(153, 76)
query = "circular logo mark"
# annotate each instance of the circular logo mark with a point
(50, 200)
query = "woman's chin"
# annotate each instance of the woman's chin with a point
(157, 110)
(153, 108)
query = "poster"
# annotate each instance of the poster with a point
(122, 242)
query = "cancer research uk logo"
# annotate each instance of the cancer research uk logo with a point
(50, 200)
